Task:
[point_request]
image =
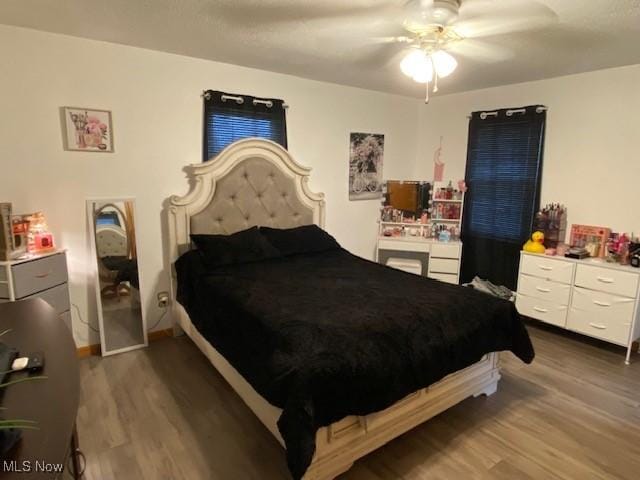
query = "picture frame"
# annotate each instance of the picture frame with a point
(366, 158)
(87, 129)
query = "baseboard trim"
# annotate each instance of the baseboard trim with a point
(91, 350)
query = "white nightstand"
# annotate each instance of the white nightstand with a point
(38, 276)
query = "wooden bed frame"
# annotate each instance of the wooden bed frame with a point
(341, 443)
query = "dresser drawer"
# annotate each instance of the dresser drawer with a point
(544, 289)
(548, 268)
(444, 265)
(605, 304)
(594, 324)
(607, 280)
(442, 250)
(542, 310)
(445, 277)
(57, 297)
(38, 275)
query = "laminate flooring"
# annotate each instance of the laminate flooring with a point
(165, 413)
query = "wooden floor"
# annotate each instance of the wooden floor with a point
(164, 413)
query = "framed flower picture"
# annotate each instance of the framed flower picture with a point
(87, 130)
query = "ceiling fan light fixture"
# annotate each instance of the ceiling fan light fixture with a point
(424, 72)
(444, 63)
(412, 62)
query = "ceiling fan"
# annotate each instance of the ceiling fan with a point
(437, 28)
(429, 33)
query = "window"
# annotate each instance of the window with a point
(504, 165)
(229, 117)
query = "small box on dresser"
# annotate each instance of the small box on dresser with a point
(40, 276)
(590, 297)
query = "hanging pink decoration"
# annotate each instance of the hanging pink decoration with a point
(438, 164)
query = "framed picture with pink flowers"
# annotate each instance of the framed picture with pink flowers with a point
(87, 130)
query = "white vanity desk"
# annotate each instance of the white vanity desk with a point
(587, 296)
(438, 260)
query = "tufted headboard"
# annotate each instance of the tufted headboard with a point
(252, 182)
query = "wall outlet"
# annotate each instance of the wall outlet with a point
(163, 299)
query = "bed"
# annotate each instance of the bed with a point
(331, 372)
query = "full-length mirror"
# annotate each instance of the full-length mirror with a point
(120, 312)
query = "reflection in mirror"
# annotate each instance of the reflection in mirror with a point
(120, 314)
(409, 197)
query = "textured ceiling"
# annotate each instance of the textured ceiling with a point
(335, 40)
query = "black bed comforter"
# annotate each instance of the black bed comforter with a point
(326, 335)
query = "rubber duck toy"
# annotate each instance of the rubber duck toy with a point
(536, 244)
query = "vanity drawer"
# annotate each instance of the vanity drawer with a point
(57, 297)
(542, 310)
(403, 246)
(4, 291)
(39, 275)
(544, 289)
(442, 250)
(607, 280)
(444, 265)
(445, 277)
(539, 266)
(594, 324)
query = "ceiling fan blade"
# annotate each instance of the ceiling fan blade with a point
(481, 51)
(484, 18)
(392, 39)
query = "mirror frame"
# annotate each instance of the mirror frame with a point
(96, 276)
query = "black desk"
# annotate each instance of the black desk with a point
(53, 402)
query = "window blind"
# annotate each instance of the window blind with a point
(230, 117)
(504, 164)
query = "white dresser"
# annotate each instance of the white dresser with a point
(438, 260)
(591, 297)
(42, 276)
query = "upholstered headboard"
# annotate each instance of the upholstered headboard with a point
(252, 182)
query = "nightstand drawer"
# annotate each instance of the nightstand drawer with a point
(444, 265)
(57, 297)
(542, 310)
(544, 289)
(38, 275)
(539, 266)
(607, 280)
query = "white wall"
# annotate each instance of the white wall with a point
(157, 115)
(592, 154)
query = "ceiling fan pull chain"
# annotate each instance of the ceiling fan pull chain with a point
(435, 82)
(426, 100)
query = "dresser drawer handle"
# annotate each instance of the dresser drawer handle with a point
(545, 268)
(543, 290)
(44, 274)
(601, 304)
(541, 310)
(605, 280)
(598, 326)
